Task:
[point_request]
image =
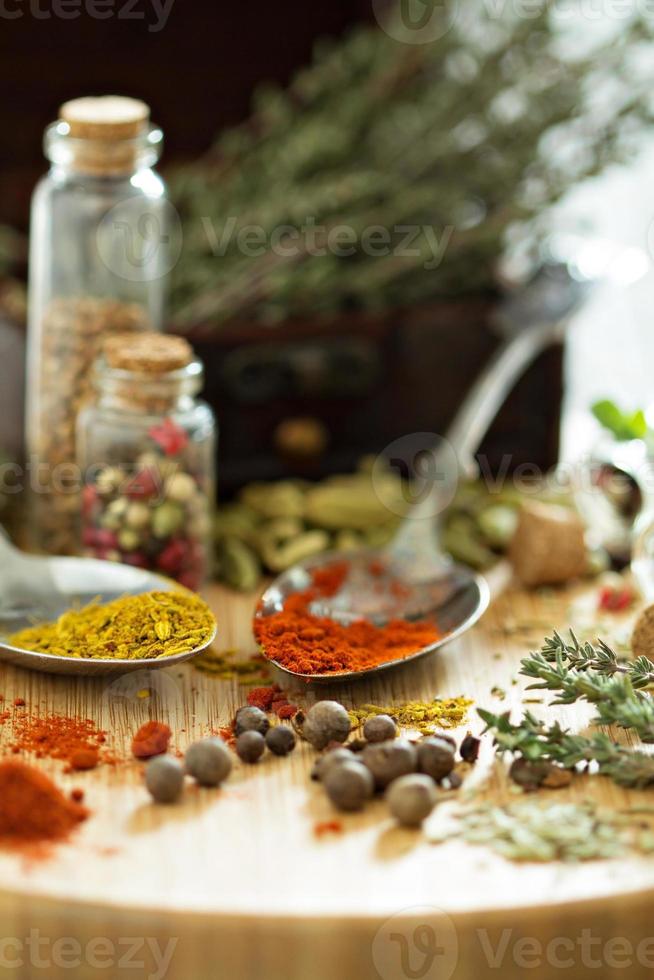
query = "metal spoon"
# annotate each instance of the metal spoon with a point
(434, 587)
(36, 589)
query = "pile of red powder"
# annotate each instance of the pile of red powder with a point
(33, 810)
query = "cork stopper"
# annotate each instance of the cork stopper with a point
(147, 352)
(106, 130)
(106, 117)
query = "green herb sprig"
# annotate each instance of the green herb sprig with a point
(372, 134)
(581, 671)
(624, 426)
(534, 740)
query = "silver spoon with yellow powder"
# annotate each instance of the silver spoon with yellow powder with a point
(93, 617)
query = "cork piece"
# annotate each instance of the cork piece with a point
(642, 638)
(106, 117)
(549, 545)
(147, 353)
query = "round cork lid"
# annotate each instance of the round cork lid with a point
(105, 117)
(147, 352)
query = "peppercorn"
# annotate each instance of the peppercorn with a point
(470, 748)
(325, 722)
(280, 740)
(250, 746)
(411, 798)
(529, 774)
(250, 719)
(329, 759)
(435, 757)
(349, 785)
(208, 761)
(380, 728)
(164, 778)
(390, 760)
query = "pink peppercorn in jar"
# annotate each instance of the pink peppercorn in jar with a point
(146, 452)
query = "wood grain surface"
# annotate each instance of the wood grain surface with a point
(238, 882)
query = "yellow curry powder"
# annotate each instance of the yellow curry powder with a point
(134, 627)
(422, 716)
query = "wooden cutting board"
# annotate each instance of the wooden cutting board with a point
(239, 884)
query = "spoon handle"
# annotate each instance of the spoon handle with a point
(492, 387)
(533, 319)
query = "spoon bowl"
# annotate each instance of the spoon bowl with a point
(433, 587)
(38, 589)
(450, 596)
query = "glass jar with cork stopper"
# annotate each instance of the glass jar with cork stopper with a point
(146, 452)
(99, 253)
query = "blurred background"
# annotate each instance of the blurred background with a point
(196, 67)
(485, 131)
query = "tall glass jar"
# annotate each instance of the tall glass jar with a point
(98, 257)
(146, 452)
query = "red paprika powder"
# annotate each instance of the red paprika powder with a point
(308, 644)
(33, 809)
(76, 741)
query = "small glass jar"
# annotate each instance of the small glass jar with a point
(98, 258)
(146, 452)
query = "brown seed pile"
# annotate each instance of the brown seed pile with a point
(72, 333)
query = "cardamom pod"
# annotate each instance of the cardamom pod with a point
(162, 629)
(352, 504)
(236, 520)
(461, 539)
(284, 499)
(279, 557)
(238, 564)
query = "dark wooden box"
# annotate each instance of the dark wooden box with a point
(369, 380)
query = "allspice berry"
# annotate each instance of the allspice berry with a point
(250, 719)
(208, 761)
(349, 785)
(390, 760)
(326, 721)
(334, 757)
(164, 778)
(379, 728)
(411, 799)
(435, 757)
(280, 740)
(549, 545)
(250, 746)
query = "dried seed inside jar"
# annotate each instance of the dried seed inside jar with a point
(73, 330)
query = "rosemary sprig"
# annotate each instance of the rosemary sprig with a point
(371, 134)
(581, 671)
(535, 741)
